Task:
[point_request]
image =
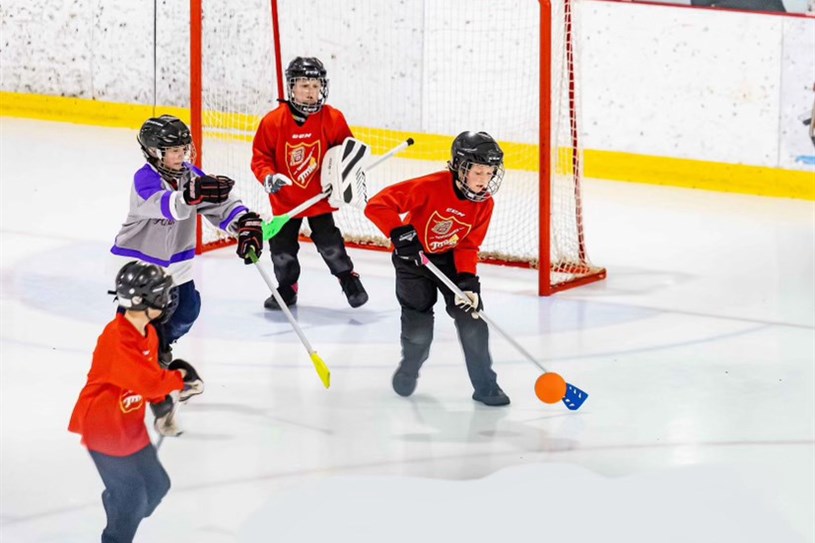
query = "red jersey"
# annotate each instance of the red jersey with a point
(125, 373)
(443, 220)
(280, 146)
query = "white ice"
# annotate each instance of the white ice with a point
(697, 351)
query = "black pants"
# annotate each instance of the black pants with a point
(134, 486)
(325, 235)
(417, 292)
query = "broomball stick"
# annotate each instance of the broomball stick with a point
(549, 387)
(319, 365)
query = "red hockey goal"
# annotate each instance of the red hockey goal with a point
(428, 72)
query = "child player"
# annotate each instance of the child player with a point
(167, 195)
(446, 218)
(109, 414)
(287, 159)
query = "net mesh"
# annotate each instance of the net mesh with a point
(396, 71)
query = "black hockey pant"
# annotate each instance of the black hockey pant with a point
(417, 292)
(134, 486)
(326, 237)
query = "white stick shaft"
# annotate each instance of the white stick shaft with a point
(273, 287)
(307, 204)
(398, 149)
(457, 291)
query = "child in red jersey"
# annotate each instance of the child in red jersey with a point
(109, 414)
(287, 157)
(448, 213)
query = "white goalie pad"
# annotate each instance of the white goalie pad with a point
(343, 174)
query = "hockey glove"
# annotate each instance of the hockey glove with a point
(250, 235)
(274, 182)
(193, 384)
(471, 288)
(212, 189)
(406, 242)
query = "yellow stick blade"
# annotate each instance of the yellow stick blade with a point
(322, 369)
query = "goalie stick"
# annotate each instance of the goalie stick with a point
(271, 228)
(319, 365)
(574, 396)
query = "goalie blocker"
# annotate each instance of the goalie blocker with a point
(343, 174)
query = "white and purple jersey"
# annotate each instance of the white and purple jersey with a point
(161, 228)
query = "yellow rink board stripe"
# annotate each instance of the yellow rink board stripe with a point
(611, 165)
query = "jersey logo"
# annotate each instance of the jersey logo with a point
(444, 233)
(130, 401)
(302, 160)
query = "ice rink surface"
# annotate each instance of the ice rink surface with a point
(697, 351)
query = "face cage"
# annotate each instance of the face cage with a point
(173, 176)
(309, 109)
(491, 188)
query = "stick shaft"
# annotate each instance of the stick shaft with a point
(457, 291)
(319, 365)
(307, 204)
(283, 307)
(398, 149)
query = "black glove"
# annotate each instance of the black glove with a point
(406, 242)
(250, 235)
(212, 189)
(471, 287)
(190, 374)
(193, 384)
(162, 408)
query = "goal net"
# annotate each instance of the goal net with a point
(420, 69)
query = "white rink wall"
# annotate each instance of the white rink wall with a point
(663, 81)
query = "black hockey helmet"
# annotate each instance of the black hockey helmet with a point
(140, 286)
(476, 148)
(307, 68)
(158, 134)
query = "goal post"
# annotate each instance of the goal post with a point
(420, 69)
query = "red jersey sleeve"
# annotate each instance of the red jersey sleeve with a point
(264, 147)
(385, 208)
(128, 367)
(110, 410)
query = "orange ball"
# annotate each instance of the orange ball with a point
(550, 388)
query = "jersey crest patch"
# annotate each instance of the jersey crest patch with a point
(302, 160)
(444, 233)
(130, 401)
